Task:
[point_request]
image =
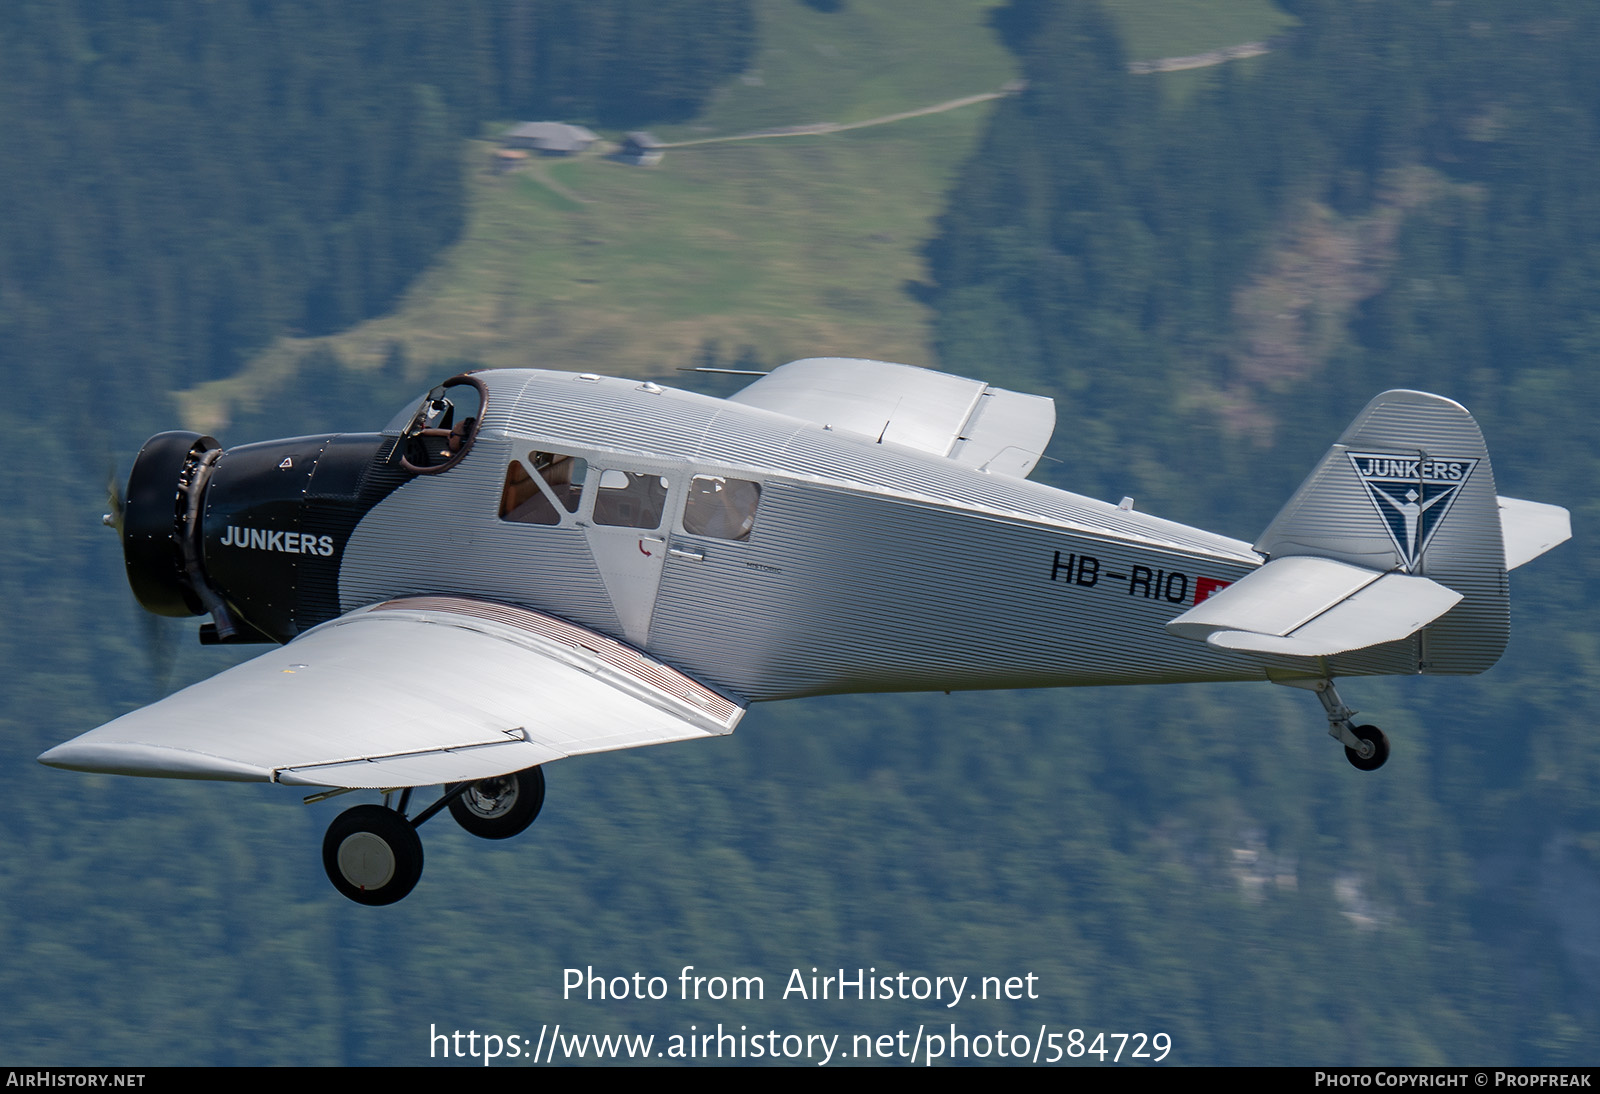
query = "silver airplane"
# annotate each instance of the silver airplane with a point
(528, 565)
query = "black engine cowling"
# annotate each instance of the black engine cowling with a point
(255, 535)
(157, 521)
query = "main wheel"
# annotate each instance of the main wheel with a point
(502, 807)
(372, 854)
(1380, 748)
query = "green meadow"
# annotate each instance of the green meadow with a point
(761, 250)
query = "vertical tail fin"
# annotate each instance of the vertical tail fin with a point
(1408, 487)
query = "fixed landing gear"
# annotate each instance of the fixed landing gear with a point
(1366, 747)
(1375, 750)
(502, 807)
(373, 855)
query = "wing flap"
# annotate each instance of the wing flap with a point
(1303, 606)
(410, 693)
(456, 763)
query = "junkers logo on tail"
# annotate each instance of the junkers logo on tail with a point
(289, 543)
(1412, 495)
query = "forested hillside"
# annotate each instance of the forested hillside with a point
(185, 183)
(1209, 284)
(1399, 196)
(1402, 197)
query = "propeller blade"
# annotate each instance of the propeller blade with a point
(161, 652)
(115, 499)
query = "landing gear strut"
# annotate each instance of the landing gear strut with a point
(1366, 747)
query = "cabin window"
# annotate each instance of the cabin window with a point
(542, 489)
(720, 507)
(630, 499)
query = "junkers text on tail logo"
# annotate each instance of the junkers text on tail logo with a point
(1412, 495)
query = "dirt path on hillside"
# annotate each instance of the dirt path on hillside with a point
(839, 127)
(1201, 60)
(1160, 64)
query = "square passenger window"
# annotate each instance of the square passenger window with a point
(720, 507)
(630, 499)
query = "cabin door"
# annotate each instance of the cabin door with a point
(628, 539)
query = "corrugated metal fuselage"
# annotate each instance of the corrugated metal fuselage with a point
(868, 568)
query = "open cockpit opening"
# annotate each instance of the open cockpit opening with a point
(443, 426)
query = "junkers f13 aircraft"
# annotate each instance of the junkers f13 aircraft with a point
(529, 565)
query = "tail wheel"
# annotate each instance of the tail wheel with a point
(501, 807)
(1379, 753)
(372, 855)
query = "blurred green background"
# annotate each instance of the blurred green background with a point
(273, 219)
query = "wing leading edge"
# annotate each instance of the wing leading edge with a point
(411, 692)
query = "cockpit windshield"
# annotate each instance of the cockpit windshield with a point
(437, 431)
(403, 417)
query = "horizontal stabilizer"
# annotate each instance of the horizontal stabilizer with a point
(988, 428)
(1303, 606)
(1530, 528)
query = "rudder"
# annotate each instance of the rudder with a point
(1408, 487)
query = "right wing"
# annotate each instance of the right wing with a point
(989, 428)
(410, 692)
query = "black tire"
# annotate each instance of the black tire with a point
(501, 807)
(372, 855)
(1380, 748)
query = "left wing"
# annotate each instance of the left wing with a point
(410, 692)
